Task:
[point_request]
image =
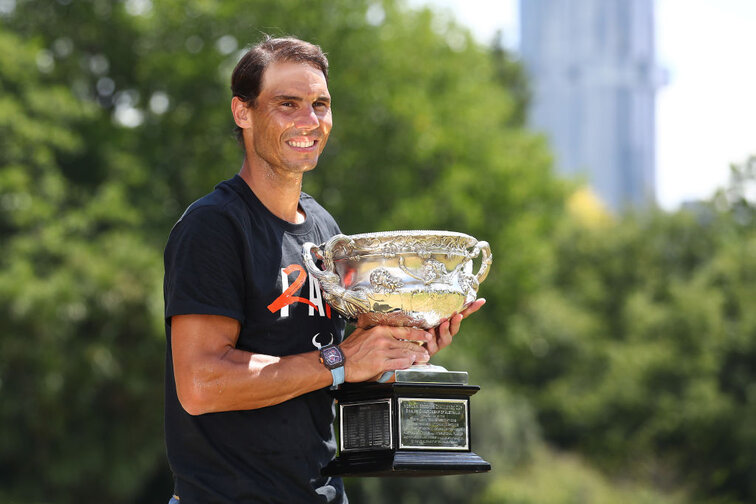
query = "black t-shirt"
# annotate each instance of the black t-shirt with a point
(229, 255)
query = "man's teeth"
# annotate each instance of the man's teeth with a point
(308, 143)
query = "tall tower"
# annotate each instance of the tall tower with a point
(594, 77)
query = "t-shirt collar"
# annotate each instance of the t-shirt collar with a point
(239, 185)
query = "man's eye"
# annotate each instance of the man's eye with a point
(287, 104)
(322, 105)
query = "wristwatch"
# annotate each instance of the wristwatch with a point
(333, 358)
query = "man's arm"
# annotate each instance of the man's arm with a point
(212, 375)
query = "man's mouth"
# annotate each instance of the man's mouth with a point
(302, 144)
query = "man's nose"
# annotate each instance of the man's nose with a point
(307, 119)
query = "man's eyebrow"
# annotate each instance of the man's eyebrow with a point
(299, 98)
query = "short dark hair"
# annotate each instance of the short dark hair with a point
(246, 80)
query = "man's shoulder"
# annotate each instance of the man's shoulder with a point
(312, 207)
(222, 201)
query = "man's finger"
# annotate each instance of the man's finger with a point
(432, 344)
(411, 334)
(446, 331)
(420, 352)
(400, 363)
(454, 324)
(475, 306)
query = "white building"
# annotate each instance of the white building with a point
(594, 78)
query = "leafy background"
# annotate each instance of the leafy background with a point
(616, 352)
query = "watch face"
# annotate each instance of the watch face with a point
(331, 356)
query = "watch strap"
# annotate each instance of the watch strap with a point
(338, 376)
(386, 376)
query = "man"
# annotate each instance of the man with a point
(248, 415)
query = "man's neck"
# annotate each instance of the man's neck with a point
(279, 194)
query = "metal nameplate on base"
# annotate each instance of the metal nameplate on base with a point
(433, 424)
(366, 425)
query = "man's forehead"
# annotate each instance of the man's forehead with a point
(284, 77)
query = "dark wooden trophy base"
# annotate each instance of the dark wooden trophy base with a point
(404, 429)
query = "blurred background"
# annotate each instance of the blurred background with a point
(617, 351)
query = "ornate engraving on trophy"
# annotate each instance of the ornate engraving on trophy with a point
(383, 281)
(366, 425)
(433, 424)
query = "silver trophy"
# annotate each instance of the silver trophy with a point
(418, 425)
(399, 278)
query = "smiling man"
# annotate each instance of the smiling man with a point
(252, 347)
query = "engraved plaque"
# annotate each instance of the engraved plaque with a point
(433, 424)
(366, 425)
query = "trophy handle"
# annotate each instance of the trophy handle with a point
(325, 277)
(486, 259)
(348, 302)
(326, 254)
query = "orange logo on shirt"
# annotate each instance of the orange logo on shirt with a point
(289, 297)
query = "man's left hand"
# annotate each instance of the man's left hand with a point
(447, 329)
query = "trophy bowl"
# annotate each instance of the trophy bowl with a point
(399, 278)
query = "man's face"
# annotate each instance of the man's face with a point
(291, 119)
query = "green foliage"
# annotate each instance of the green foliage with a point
(640, 349)
(79, 287)
(511, 74)
(559, 478)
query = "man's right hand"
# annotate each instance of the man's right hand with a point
(371, 352)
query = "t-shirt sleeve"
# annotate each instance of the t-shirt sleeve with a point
(203, 266)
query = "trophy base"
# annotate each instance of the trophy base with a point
(405, 429)
(406, 464)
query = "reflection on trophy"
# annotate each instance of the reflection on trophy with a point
(419, 424)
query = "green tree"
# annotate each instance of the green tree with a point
(637, 354)
(79, 287)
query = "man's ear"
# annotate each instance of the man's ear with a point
(241, 114)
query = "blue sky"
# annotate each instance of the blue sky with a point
(706, 113)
